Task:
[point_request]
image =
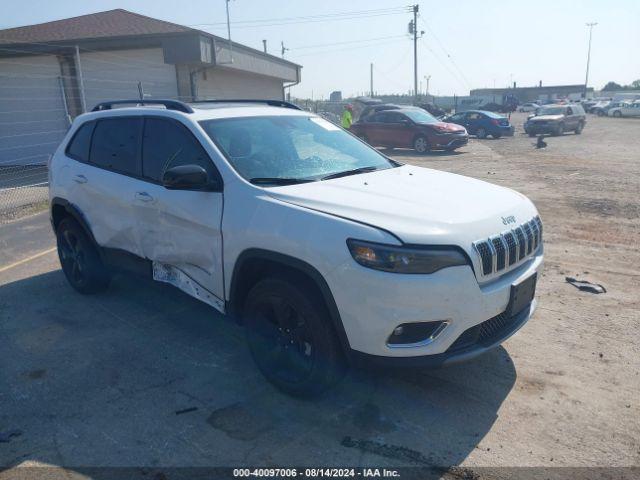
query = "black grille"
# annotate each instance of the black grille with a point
(522, 241)
(512, 248)
(486, 257)
(485, 333)
(529, 234)
(500, 252)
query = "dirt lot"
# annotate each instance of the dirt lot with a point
(107, 380)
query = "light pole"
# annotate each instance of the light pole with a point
(427, 78)
(586, 78)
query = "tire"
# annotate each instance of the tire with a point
(291, 337)
(601, 113)
(481, 133)
(617, 114)
(531, 134)
(496, 135)
(579, 128)
(80, 259)
(421, 145)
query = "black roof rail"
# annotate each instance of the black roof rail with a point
(168, 104)
(271, 103)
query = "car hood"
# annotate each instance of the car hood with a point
(445, 127)
(418, 205)
(542, 118)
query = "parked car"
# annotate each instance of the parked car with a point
(528, 107)
(410, 127)
(433, 109)
(482, 123)
(625, 110)
(556, 119)
(371, 109)
(332, 252)
(602, 109)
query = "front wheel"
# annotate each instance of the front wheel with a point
(421, 145)
(600, 113)
(80, 259)
(291, 337)
(617, 114)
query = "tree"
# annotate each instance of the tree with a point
(612, 86)
(635, 85)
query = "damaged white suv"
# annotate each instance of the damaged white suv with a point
(327, 251)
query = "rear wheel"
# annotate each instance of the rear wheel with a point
(79, 258)
(481, 133)
(579, 128)
(496, 135)
(421, 145)
(291, 337)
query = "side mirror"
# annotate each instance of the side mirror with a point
(187, 177)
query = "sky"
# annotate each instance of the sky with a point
(467, 44)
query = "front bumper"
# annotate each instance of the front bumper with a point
(451, 141)
(532, 127)
(453, 355)
(372, 303)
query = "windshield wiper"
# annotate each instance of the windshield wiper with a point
(346, 173)
(278, 181)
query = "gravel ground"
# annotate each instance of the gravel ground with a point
(98, 380)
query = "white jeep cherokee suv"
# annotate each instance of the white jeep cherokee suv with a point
(327, 251)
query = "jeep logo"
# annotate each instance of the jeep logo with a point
(508, 220)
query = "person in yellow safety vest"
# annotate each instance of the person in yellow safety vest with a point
(347, 117)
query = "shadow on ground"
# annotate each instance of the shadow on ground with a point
(145, 376)
(397, 152)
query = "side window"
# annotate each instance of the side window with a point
(116, 145)
(167, 144)
(473, 116)
(81, 142)
(569, 111)
(394, 117)
(378, 117)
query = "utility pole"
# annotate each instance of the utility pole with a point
(264, 46)
(229, 33)
(586, 79)
(415, 51)
(371, 81)
(283, 49)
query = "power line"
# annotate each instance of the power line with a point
(446, 52)
(346, 42)
(305, 18)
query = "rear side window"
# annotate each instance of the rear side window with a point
(116, 145)
(167, 144)
(81, 142)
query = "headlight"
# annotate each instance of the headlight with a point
(400, 259)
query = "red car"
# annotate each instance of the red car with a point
(410, 127)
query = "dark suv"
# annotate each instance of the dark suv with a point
(410, 127)
(556, 119)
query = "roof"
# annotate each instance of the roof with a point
(112, 23)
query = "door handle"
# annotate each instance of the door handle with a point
(80, 179)
(144, 197)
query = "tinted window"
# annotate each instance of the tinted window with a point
(393, 117)
(79, 146)
(167, 144)
(116, 145)
(420, 116)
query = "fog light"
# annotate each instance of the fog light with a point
(398, 330)
(415, 334)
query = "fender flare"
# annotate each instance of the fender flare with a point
(296, 264)
(73, 212)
